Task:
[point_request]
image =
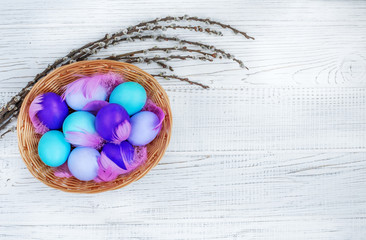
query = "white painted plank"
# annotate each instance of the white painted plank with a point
(262, 119)
(296, 44)
(256, 196)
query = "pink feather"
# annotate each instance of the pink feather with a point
(109, 171)
(62, 171)
(121, 132)
(94, 106)
(111, 80)
(84, 139)
(152, 107)
(139, 157)
(34, 108)
(89, 84)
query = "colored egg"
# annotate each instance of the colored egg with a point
(117, 159)
(90, 88)
(83, 163)
(47, 112)
(145, 127)
(53, 148)
(79, 130)
(130, 95)
(78, 100)
(121, 154)
(113, 123)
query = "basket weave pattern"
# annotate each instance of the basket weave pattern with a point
(53, 82)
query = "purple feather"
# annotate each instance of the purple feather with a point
(84, 139)
(89, 84)
(94, 106)
(109, 171)
(152, 107)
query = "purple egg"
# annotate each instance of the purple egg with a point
(117, 159)
(113, 123)
(145, 127)
(47, 112)
(121, 154)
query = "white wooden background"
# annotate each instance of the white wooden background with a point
(276, 152)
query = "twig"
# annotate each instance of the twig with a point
(181, 79)
(12, 107)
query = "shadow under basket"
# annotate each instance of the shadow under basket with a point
(53, 82)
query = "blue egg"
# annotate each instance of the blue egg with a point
(53, 148)
(130, 95)
(83, 163)
(144, 128)
(80, 121)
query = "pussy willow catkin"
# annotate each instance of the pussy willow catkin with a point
(143, 31)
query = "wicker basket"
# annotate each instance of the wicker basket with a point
(53, 82)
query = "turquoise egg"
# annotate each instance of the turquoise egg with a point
(130, 95)
(79, 130)
(53, 148)
(80, 121)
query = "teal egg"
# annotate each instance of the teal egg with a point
(53, 148)
(78, 122)
(130, 95)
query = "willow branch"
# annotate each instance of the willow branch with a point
(180, 79)
(12, 107)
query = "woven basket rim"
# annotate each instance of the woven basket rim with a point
(114, 65)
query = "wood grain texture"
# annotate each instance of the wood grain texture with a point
(276, 152)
